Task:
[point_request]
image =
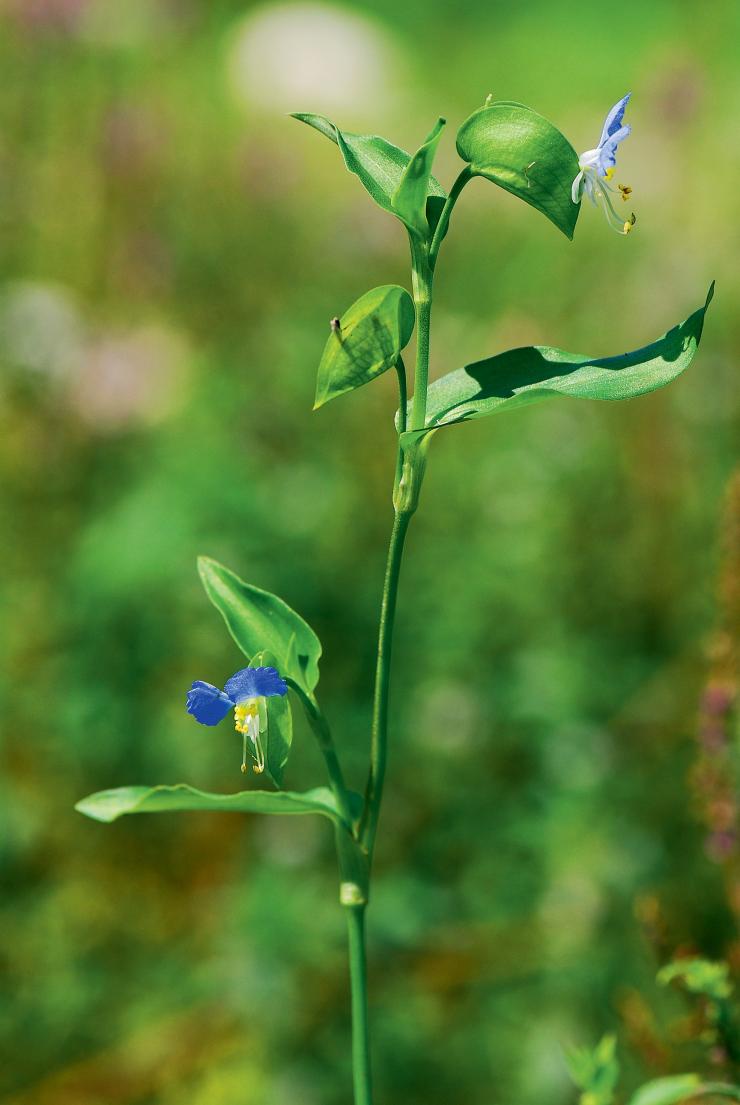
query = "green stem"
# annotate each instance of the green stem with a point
(444, 218)
(322, 732)
(358, 982)
(379, 737)
(422, 279)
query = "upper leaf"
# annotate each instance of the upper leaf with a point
(524, 153)
(410, 198)
(107, 805)
(667, 1091)
(367, 342)
(379, 164)
(260, 621)
(537, 372)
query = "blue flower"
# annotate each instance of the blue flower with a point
(597, 169)
(246, 693)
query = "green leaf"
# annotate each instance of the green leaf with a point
(379, 164)
(367, 342)
(595, 1070)
(666, 1091)
(279, 735)
(524, 153)
(409, 201)
(108, 805)
(260, 621)
(530, 374)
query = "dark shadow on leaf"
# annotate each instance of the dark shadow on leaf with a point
(521, 370)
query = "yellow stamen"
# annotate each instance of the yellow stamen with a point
(243, 712)
(625, 190)
(630, 223)
(609, 173)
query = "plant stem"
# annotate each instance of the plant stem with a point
(358, 982)
(379, 737)
(421, 279)
(444, 218)
(322, 732)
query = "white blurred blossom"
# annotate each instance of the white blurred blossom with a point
(312, 57)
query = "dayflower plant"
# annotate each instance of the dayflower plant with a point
(524, 154)
(596, 169)
(246, 693)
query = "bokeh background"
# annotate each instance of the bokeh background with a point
(171, 249)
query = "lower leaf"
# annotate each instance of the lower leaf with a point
(108, 805)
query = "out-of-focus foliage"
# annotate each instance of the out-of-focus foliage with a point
(172, 248)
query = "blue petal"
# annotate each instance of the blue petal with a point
(613, 120)
(252, 682)
(207, 703)
(608, 151)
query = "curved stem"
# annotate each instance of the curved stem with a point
(379, 738)
(358, 982)
(444, 218)
(322, 732)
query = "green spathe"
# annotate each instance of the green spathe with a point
(521, 151)
(367, 342)
(260, 621)
(537, 372)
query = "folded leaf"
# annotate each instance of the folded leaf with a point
(667, 1091)
(522, 152)
(107, 805)
(538, 372)
(379, 164)
(409, 201)
(367, 342)
(258, 620)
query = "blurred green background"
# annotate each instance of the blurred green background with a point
(172, 247)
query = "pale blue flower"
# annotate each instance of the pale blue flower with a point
(246, 693)
(597, 169)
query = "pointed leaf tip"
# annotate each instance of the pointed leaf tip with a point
(367, 342)
(530, 374)
(523, 153)
(108, 805)
(259, 620)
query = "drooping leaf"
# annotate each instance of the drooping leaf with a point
(667, 1091)
(258, 620)
(279, 736)
(527, 375)
(409, 201)
(367, 342)
(379, 164)
(524, 153)
(107, 805)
